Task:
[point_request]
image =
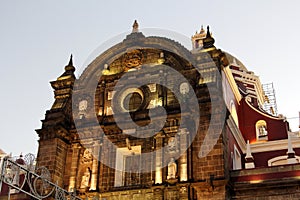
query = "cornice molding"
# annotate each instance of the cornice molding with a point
(274, 145)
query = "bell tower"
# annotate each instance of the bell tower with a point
(54, 135)
(198, 38)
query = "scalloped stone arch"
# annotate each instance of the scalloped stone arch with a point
(132, 42)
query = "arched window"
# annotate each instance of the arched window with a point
(261, 130)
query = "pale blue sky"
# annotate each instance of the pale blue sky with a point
(37, 38)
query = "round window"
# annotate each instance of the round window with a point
(132, 101)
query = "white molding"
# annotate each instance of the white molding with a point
(285, 157)
(237, 158)
(274, 145)
(232, 83)
(237, 134)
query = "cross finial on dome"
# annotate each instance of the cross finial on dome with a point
(135, 27)
(202, 31)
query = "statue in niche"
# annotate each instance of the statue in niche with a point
(172, 144)
(87, 156)
(85, 180)
(172, 169)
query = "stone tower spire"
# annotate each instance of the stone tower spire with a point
(70, 68)
(54, 134)
(209, 41)
(71, 60)
(64, 83)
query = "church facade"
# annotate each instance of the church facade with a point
(150, 119)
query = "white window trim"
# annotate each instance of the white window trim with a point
(234, 114)
(120, 164)
(237, 159)
(272, 160)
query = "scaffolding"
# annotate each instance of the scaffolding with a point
(270, 104)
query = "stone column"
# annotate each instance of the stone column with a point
(74, 166)
(158, 159)
(182, 162)
(96, 148)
